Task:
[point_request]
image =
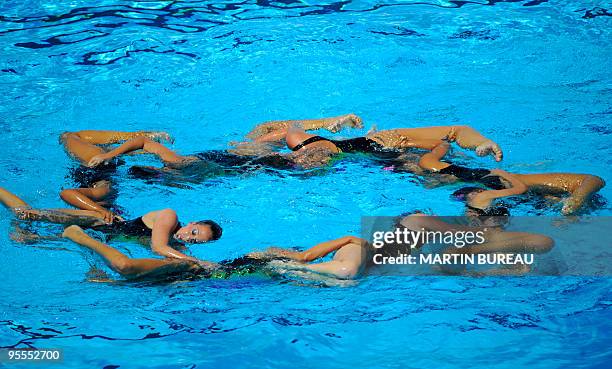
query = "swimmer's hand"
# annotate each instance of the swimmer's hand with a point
(348, 120)
(98, 159)
(109, 217)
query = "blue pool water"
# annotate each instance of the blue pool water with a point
(534, 75)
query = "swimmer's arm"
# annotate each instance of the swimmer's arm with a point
(325, 248)
(77, 198)
(484, 199)
(165, 222)
(431, 160)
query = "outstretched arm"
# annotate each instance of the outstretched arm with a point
(138, 143)
(483, 199)
(333, 124)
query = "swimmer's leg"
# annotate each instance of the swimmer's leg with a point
(12, 201)
(88, 199)
(79, 148)
(148, 146)
(465, 136)
(127, 267)
(23, 211)
(102, 137)
(82, 144)
(333, 124)
(589, 186)
(84, 218)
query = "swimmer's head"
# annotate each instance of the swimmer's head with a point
(466, 193)
(199, 232)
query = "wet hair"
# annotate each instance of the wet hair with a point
(215, 228)
(462, 193)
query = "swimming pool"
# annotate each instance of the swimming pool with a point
(532, 74)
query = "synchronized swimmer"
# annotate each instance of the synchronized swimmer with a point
(352, 256)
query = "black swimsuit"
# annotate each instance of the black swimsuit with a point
(479, 175)
(352, 145)
(215, 163)
(235, 162)
(129, 228)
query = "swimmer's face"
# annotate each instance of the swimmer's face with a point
(194, 233)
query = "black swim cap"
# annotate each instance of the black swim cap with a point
(215, 228)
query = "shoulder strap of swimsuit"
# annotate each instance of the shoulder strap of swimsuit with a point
(308, 141)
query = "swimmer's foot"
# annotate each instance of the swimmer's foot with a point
(490, 147)
(349, 120)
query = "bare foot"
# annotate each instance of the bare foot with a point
(72, 232)
(349, 120)
(489, 147)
